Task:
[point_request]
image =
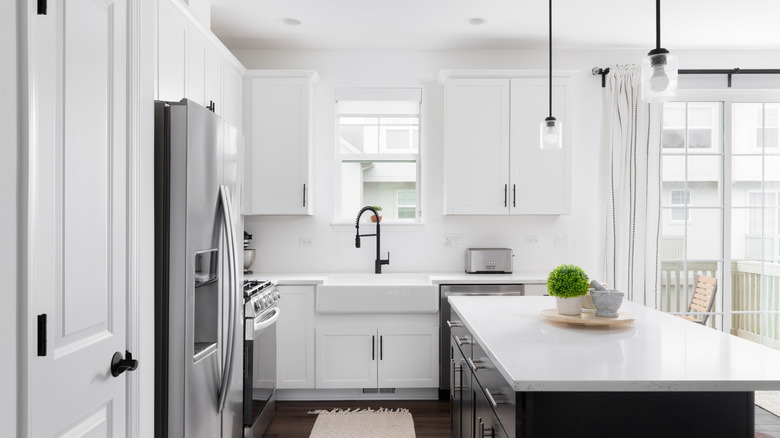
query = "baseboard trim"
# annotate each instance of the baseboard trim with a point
(355, 394)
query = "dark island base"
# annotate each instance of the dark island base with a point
(635, 414)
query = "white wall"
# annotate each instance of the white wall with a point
(8, 216)
(421, 248)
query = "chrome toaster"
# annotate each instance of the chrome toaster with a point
(489, 260)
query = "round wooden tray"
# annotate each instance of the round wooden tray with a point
(588, 319)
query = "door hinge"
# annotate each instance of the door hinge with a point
(42, 7)
(42, 335)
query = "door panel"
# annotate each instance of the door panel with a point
(476, 146)
(408, 357)
(541, 180)
(346, 357)
(77, 217)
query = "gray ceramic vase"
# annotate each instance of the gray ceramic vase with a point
(607, 302)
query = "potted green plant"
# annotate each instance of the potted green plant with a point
(378, 209)
(568, 284)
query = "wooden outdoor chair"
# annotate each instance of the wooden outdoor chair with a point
(703, 299)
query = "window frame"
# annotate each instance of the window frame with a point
(683, 206)
(724, 309)
(383, 154)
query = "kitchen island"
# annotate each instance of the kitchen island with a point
(657, 376)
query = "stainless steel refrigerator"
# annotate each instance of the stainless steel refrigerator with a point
(198, 297)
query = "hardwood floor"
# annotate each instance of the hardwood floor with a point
(431, 418)
(767, 424)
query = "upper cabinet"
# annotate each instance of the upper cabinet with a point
(493, 164)
(279, 157)
(192, 63)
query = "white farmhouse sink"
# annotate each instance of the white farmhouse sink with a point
(377, 293)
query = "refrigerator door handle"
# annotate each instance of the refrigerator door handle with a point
(227, 217)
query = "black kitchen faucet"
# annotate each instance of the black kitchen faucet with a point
(378, 262)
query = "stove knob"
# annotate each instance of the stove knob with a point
(264, 299)
(277, 294)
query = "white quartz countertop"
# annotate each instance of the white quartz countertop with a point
(435, 278)
(657, 352)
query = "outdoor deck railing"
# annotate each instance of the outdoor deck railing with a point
(751, 291)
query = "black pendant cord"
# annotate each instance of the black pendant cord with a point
(657, 24)
(550, 49)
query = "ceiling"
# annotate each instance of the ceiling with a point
(515, 24)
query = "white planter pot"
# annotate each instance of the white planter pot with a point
(569, 306)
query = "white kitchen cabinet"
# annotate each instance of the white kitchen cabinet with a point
(295, 337)
(476, 139)
(493, 163)
(280, 152)
(383, 357)
(408, 357)
(172, 35)
(212, 79)
(346, 357)
(192, 63)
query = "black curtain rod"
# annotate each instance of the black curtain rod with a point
(725, 71)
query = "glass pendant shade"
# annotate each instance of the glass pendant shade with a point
(551, 134)
(659, 76)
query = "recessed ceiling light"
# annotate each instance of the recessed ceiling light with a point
(476, 21)
(289, 21)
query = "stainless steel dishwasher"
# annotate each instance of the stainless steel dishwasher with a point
(447, 290)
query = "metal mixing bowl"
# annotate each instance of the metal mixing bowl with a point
(249, 258)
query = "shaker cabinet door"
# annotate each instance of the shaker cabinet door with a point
(346, 357)
(540, 179)
(408, 357)
(476, 138)
(280, 146)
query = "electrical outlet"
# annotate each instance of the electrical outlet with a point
(561, 240)
(305, 242)
(532, 239)
(453, 240)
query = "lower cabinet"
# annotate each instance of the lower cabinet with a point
(371, 357)
(486, 423)
(461, 394)
(471, 405)
(295, 338)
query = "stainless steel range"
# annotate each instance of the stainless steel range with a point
(261, 313)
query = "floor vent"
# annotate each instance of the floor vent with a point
(378, 390)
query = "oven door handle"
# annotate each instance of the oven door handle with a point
(263, 321)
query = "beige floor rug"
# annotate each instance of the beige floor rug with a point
(363, 423)
(769, 400)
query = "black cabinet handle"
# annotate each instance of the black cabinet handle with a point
(304, 195)
(505, 189)
(514, 195)
(373, 346)
(119, 364)
(42, 7)
(380, 347)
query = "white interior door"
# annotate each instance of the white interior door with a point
(76, 265)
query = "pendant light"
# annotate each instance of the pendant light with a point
(550, 132)
(659, 68)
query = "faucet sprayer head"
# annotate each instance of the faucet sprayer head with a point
(357, 241)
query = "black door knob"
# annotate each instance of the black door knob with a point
(119, 364)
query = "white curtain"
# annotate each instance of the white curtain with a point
(633, 217)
